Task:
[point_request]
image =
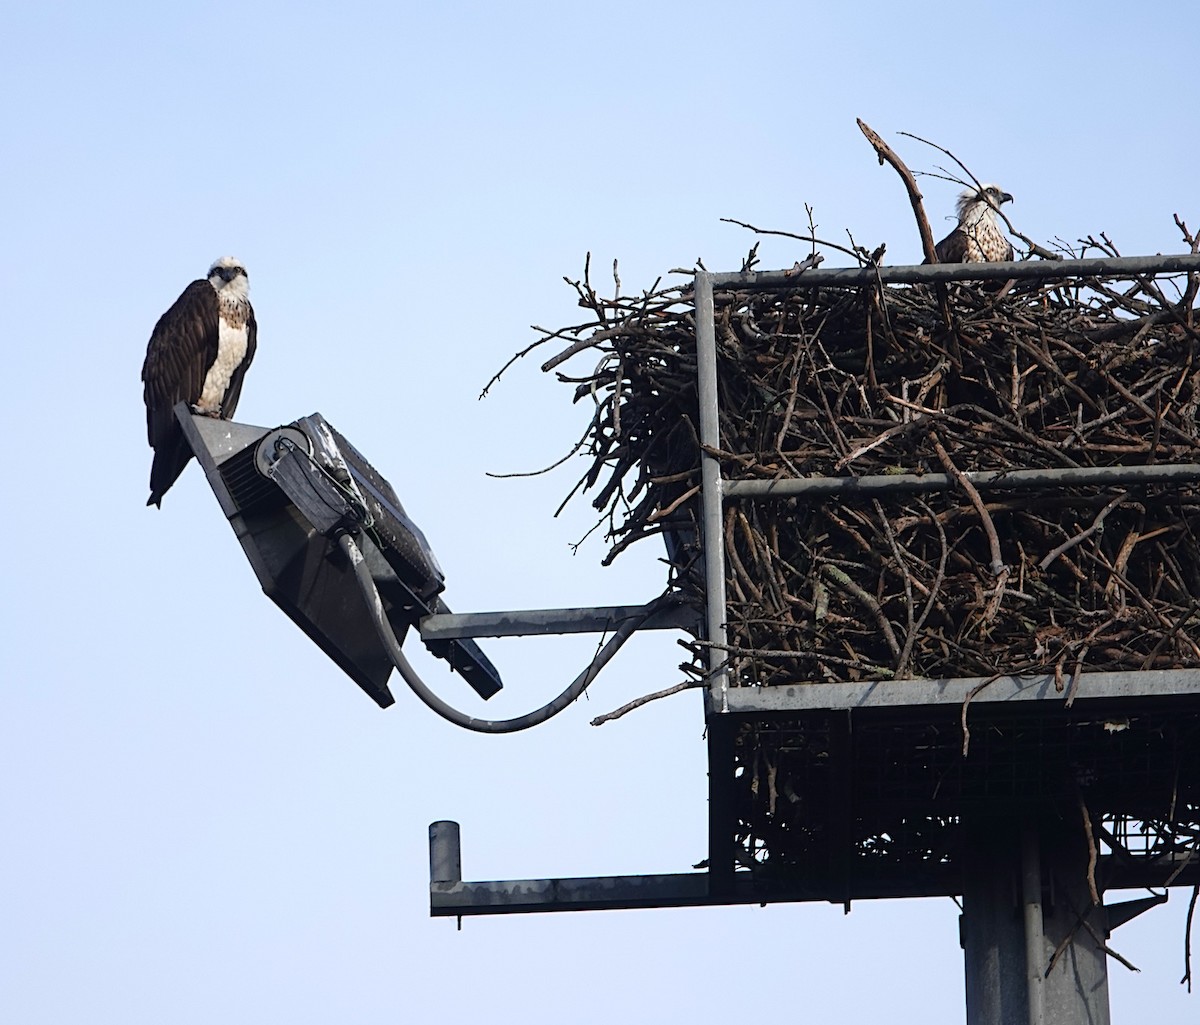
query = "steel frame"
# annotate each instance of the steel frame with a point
(726, 707)
(715, 489)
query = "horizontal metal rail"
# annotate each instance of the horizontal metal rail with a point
(671, 890)
(886, 483)
(1134, 686)
(456, 899)
(452, 626)
(1046, 270)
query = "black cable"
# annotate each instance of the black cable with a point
(468, 722)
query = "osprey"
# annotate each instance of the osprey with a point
(978, 238)
(198, 354)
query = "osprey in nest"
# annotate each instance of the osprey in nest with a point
(978, 238)
(199, 351)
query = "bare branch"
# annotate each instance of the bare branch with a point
(910, 183)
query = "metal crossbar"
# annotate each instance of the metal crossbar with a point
(918, 274)
(984, 480)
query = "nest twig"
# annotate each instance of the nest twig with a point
(820, 381)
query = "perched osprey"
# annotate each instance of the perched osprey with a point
(198, 354)
(978, 238)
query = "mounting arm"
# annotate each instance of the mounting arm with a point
(468, 722)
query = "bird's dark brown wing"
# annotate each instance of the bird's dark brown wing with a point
(953, 248)
(183, 345)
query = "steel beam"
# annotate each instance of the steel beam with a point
(893, 693)
(984, 480)
(450, 898)
(852, 277)
(452, 626)
(711, 494)
(1025, 897)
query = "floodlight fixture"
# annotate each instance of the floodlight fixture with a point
(290, 493)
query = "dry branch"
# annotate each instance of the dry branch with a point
(910, 183)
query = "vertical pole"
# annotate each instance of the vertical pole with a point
(712, 526)
(1010, 931)
(1031, 906)
(993, 934)
(711, 493)
(1077, 988)
(841, 848)
(722, 824)
(445, 852)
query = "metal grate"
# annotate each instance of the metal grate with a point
(831, 794)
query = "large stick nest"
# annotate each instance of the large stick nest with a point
(894, 379)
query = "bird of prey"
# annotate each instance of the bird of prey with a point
(198, 353)
(978, 238)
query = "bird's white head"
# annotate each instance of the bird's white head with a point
(228, 276)
(974, 204)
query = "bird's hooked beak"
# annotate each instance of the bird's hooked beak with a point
(1005, 198)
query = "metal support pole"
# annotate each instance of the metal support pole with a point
(721, 822)
(1031, 906)
(1011, 930)
(711, 498)
(445, 852)
(1077, 988)
(991, 927)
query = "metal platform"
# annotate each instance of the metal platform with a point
(869, 784)
(1027, 796)
(869, 795)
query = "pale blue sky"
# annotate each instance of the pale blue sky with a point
(203, 820)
